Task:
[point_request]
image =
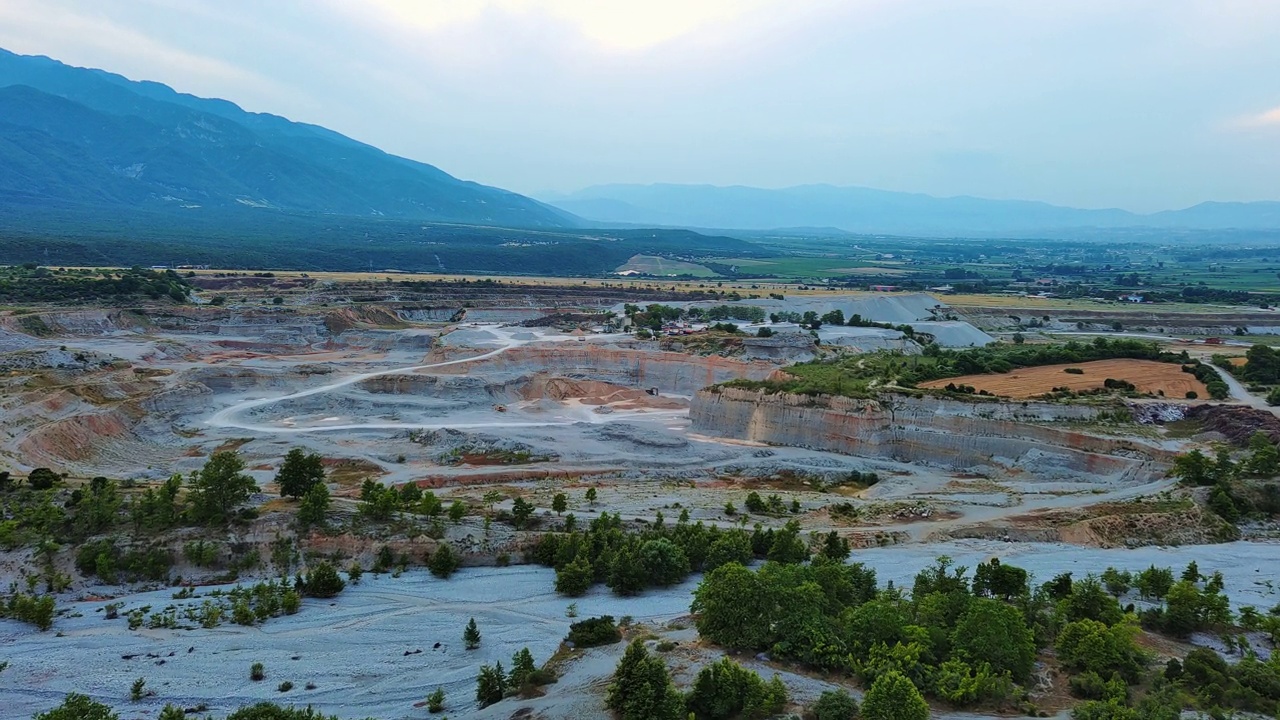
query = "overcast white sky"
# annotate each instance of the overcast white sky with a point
(1142, 104)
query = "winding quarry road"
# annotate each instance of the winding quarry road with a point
(1241, 394)
(231, 417)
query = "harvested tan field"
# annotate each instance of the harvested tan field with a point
(595, 392)
(1150, 377)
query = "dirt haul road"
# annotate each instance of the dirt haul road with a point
(505, 337)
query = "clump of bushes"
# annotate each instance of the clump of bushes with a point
(322, 581)
(594, 632)
(34, 609)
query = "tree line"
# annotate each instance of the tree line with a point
(974, 641)
(664, 554)
(30, 283)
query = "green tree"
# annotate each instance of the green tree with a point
(835, 705)
(322, 581)
(1263, 365)
(1103, 710)
(471, 636)
(522, 668)
(377, 501)
(271, 711)
(725, 689)
(626, 571)
(410, 495)
(591, 496)
(1224, 468)
(79, 707)
(444, 561)
(299, 473)
(1264, 459)
(1222, 505)
(1090, 600)
(733, 608)
(575, 578)
(1182, 615)
(993, 632)
(97, 510)
(559, 503)
(641, 688)
(157, 508)
(435, 701)
(430, 505)
(730, 546)
(1154, 583)
(881, 621)
(35, 609)
(219, 487)
(1092, 646)
(1116, 581)
(664, 561)
(996, 579)
(43, 478)
(315, 504)
(835, 547)
(457, 511)
(787, 546)
(894, 697)
(521, 511)
(1194, 468)
(491, 685)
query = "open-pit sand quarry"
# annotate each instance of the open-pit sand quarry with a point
(447, 406)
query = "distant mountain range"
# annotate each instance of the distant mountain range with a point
(864, 210)
(87, 153)
(103, 146)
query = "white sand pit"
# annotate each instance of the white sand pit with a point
(864, 339)
(352, 647)
(954, 333)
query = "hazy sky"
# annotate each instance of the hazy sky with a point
(1142, 104)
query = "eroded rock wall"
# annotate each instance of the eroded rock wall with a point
(1031, 439)
(670, 372)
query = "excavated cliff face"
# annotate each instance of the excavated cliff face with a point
(464, 391)
(83, 322)
(87, 417)
(1008, 438)
(670, 372)
(276, 329)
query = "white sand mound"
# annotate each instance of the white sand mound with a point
(954, 333)
(865, 339)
